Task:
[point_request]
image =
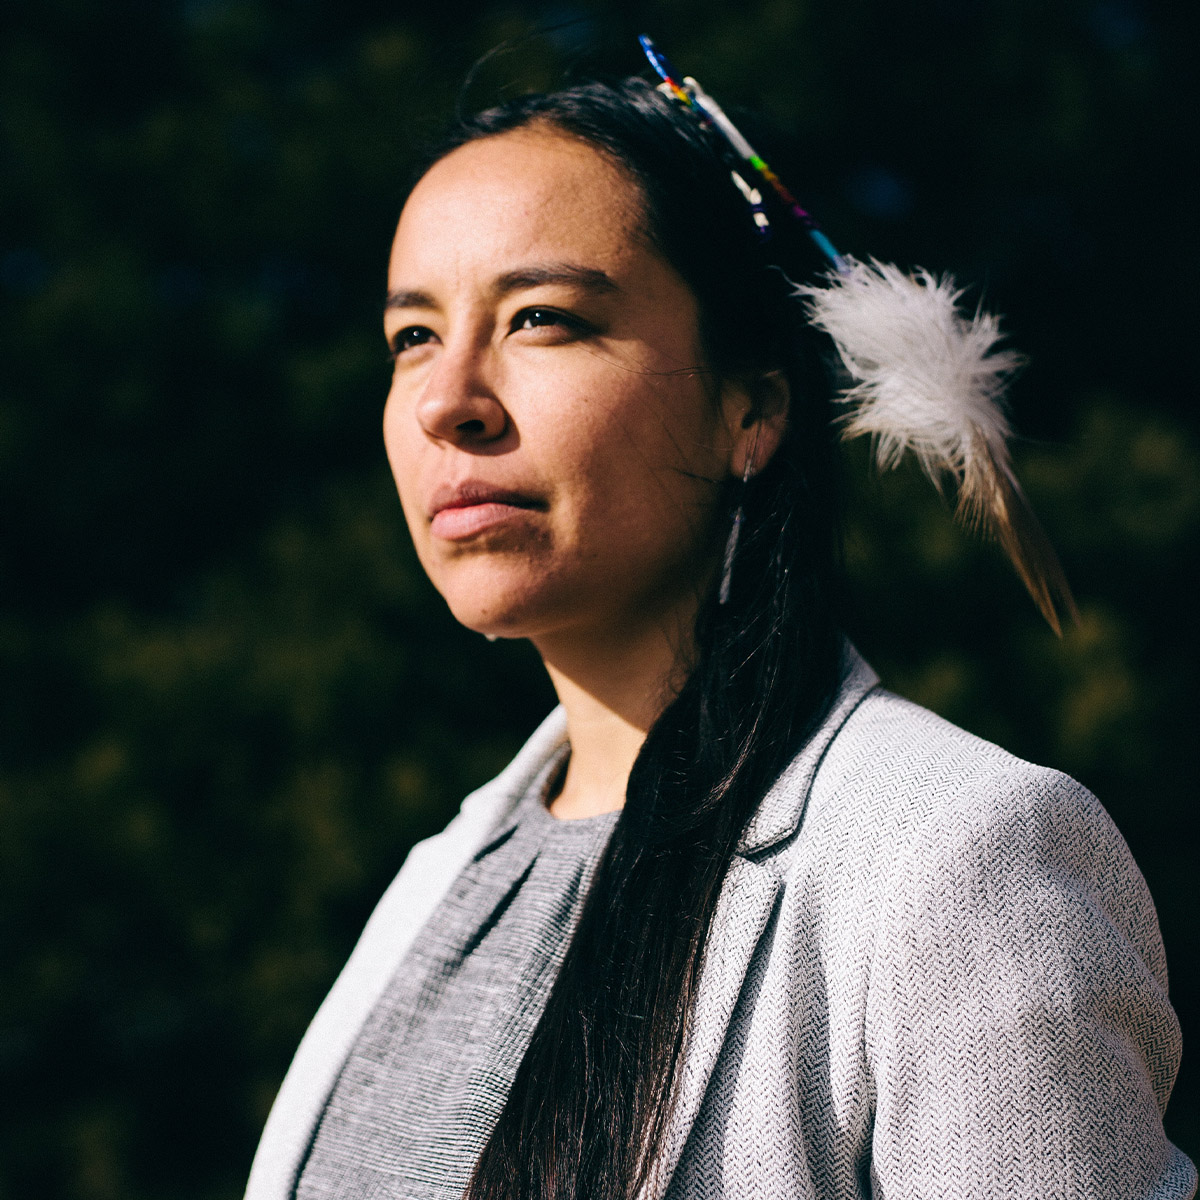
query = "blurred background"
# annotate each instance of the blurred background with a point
(229, 699)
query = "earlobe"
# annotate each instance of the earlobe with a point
(765, 402)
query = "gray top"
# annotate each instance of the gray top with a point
(427, 1077)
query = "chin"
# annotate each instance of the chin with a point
(478, 619)
(508, 609)
(494, 624)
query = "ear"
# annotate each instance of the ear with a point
(756, 415)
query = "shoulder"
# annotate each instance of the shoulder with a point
(907, 764)
(903, 778)
(894, 772)
(921, 809)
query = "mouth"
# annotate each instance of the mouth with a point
(460, 511)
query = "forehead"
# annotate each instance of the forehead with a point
(530, 193)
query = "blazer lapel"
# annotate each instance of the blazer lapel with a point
(744, 909)
(743, 912)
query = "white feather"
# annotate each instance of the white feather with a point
(926, 377)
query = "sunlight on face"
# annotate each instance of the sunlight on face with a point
(556, 441)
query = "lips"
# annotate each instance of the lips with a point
(459, 511)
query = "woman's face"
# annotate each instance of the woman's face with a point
(556, 440)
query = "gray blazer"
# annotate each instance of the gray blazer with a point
(934, 971)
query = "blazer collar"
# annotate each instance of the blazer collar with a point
(779, 814)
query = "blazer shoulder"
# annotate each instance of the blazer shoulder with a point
(903, 795)
(901, 759)
(884, 770)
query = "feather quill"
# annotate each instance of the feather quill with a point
(929, 379)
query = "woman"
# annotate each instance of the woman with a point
(735, 922)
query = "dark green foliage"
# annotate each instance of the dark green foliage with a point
(230, 701)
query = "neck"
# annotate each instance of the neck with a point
(612, 692)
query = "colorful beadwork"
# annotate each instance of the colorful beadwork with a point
(691, 94)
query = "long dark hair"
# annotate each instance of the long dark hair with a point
(591, 1099)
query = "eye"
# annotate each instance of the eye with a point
(548, 318)
(530, 317)
(409, 338)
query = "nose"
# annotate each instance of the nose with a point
(459, 403)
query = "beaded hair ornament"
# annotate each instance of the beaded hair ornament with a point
(924, 376)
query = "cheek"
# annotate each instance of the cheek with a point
(643, 467)
(665, 439)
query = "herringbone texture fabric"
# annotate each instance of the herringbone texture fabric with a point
(961, 991)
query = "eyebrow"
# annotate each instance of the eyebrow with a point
(590, 279)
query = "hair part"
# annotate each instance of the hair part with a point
(592, 1098)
